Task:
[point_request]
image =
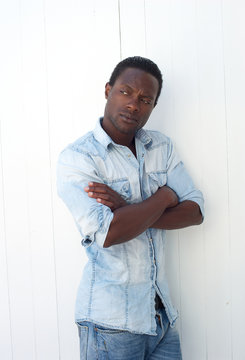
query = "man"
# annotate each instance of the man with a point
(125, 186)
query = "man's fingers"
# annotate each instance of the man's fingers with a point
(99, 188)
(96, 195)
(97, 185)
(105, 195)
(96, 189)
(94, 183)
(106, 203)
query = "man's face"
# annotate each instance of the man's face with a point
(130, 101)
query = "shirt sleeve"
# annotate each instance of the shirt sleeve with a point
(180, 181)
(74, 171)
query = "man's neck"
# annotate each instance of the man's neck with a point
(119, 137)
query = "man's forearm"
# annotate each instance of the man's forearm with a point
(161, 211)
(131, 220)
(185, 214)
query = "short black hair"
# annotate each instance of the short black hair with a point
(140, 63)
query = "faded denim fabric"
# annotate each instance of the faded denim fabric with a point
(99, 343)
(119, 283)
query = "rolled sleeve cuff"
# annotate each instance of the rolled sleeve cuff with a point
(105, 217)
(180, 181)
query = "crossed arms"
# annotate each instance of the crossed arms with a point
(161, 210)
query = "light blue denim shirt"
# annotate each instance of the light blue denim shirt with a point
(119, 283)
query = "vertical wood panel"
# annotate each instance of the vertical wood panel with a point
(132, 21)
(15, 188)
(234, 53)
(215, 185)
(5, 328)
(36, 135)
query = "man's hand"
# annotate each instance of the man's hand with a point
(105, 195)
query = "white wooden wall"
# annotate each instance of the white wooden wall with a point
(56, 56)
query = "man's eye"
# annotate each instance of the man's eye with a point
(123, 92)
(148, 102)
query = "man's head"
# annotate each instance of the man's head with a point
(131, 94)
(141, 63)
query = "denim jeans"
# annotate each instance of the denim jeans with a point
(100, 343)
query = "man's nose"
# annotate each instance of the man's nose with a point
(133, 104)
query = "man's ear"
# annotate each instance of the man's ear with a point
(107, 89)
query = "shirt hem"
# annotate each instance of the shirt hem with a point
(122, 328)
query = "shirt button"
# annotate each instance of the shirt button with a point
(150, 239)
(154, 261)
(129, 155)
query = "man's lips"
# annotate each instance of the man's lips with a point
(128, 118)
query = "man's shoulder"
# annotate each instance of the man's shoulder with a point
(86, 145)
(80, 144)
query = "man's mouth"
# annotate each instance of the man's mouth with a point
(128, 118)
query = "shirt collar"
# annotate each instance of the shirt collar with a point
(104, 139)
(100, 135)
(144, 137)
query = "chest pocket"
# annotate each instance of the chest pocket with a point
(157, 179)
(121, 186)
